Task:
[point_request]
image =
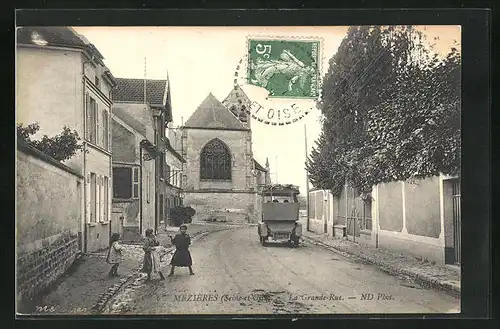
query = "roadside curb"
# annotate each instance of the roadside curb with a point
(105, 297)
(424, 280)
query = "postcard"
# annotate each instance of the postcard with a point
(238, 170)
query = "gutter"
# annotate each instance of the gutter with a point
(85, 182)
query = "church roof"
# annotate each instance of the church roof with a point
(258, 166)
(132, 91)
(212, 114)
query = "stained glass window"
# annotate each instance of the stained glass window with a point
(215, 161)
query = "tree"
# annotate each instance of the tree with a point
(60, 147)
(390, 111)
(182, 215)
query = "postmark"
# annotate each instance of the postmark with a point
(281, 76)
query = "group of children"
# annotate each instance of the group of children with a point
(151, 261)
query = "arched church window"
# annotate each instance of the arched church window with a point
(215, 161)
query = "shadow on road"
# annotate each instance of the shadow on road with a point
(281, 245)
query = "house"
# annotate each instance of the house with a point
(420, 217)
(174, 168)
(61, 80)
(142, 98)
(133, 171)
(218, 180)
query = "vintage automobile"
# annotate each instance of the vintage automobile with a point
(280, 215)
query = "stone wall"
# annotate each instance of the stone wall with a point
(414, 217)
(48, 220)
(231, 207)
(36, 270)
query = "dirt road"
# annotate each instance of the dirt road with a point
(236, 275)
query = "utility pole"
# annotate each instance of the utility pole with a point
(307, 179)
(276, 169)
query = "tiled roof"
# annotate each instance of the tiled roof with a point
(258, 166)
(212, 114)
(132, 90)
(54, 36)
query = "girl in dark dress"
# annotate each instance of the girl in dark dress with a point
(182, 256)
(151, 263)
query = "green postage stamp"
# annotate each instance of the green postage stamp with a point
(285, 68)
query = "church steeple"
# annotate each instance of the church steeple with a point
(238, 103)
(267, 176)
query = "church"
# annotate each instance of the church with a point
(221, 179)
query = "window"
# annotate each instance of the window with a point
(93, 201)
(168, 174)
(105, 130)
(215, 161)
(91, 109)
(125, 182)
(97, 83)
(174, 177)
(162, 165)
(106, 199)
(136, 183)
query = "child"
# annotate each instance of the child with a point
(182, 256)
(114, 254)
(151, 262)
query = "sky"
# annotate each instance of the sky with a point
(202, 60)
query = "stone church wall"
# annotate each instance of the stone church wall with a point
(228, 207)
(239, 143)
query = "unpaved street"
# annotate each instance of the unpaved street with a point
(236, 275)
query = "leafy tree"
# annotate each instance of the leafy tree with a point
(391, 111)
(182, 214)
(60, 147)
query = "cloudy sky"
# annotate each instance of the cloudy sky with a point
(200, 60)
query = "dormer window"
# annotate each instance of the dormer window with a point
(97, 83)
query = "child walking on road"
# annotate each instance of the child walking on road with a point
(182, 256)
(114, 254)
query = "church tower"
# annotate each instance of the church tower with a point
(238, 103)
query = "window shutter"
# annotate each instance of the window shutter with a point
(87, 193)
(87, 115)
(109, 131)
(97, 122)
(98, 198)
